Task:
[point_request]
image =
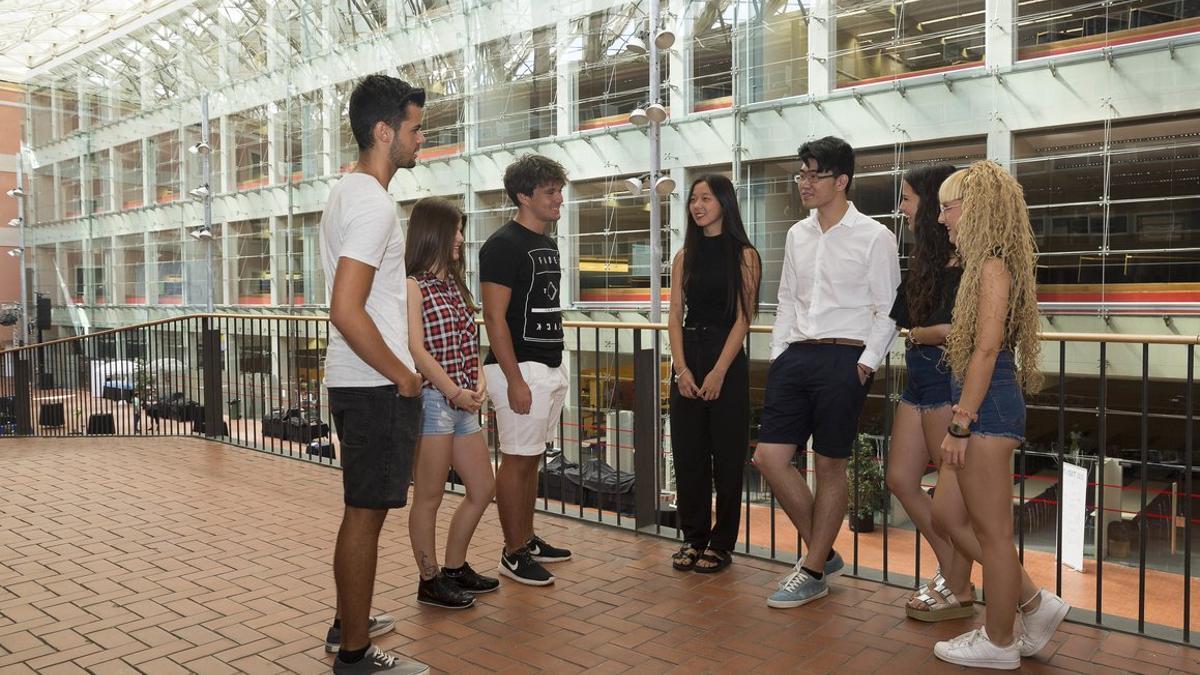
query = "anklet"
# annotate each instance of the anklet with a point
(1030, 600)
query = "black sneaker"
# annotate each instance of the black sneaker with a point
(376, 626)
(378, 661)
(471, 581)
(522, 568)
(543, 552)
(442, 592)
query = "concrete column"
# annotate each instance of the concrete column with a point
(679, 59)
(150, 255)
(822, 43)
(1000, 42)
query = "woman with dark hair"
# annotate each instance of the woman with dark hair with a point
(924, 303)
(443, 340)
(714, 297)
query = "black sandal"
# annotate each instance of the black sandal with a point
(685, 558)
(722, 559)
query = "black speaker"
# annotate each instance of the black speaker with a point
(43, 312)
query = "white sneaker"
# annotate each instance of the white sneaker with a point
(1041, 623)
(976, 650)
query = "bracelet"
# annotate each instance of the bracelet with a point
(959, 410)
(680, 373)
(958, 431)
(451, 398)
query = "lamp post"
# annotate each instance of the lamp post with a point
(18, 193)
(655, 168)
(204, 194)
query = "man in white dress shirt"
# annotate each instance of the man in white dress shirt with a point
(832, 330)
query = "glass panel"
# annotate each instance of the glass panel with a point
(359, 19)
(613, 73)
(68, 108)
(197, 262)
(887, 39)
(776, 53)
(442, 78)
(1055, 27)
(41, 115)
(164, 149)
(252, 262)
(249, 131)
(44, 194)
(613, 244)
(70, 189)
(129, 189)
(347, 150)
(100, 176)
(168, 258)
(493, 210)
(517, 88)
(129, 272)
(298, 130)
(712, 54)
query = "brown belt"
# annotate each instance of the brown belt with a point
(834, 341)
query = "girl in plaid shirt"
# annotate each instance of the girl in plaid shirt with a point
(443, 338)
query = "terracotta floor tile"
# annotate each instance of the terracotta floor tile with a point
(218, 560)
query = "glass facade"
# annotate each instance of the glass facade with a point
(1112, 183)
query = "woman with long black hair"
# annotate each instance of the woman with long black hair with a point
(714, 297)
(924, 304)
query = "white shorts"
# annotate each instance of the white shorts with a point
(528, 434)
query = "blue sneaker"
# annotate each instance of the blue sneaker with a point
(797, 589)
(833, 567)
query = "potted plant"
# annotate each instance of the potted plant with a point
(867, 494)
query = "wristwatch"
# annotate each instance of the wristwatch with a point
(958, 431)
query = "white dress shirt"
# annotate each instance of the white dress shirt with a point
(838, 284)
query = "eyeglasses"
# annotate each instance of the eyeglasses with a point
(810, 177)
(950, 205)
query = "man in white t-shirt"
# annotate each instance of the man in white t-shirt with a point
(374, 389)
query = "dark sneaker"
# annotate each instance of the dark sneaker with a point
(471, 581)
(522, 568)
(442, 592)
(376, 626)
(379, 661)
(543, 552)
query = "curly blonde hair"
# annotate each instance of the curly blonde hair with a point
(994, 223)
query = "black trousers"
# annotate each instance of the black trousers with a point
(709, 443)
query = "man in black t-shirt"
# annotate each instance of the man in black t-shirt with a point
(520, 279)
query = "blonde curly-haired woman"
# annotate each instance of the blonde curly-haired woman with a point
(992, 350)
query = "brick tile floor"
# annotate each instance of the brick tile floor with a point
(174, 555)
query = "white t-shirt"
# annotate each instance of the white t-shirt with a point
(360, 223)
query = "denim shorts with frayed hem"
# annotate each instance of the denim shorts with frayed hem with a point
(440, 417)
(1002, 412)
(928, 378)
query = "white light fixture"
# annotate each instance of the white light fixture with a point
(201, 234)
(16, 252)
(16, 222)
(201, 148)
(16, 192)
(665, 185)
(664, 39)
(638, 117)
(634, 185)
(201, 192)
(635, 46)
(656, 113)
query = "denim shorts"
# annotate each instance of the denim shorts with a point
(928, 378)
(377, 429)
(439, 418)
(1002, 412)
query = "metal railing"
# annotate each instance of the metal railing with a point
(1132, 432)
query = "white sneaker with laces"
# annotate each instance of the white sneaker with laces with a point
(975, 650)
(1041, 623)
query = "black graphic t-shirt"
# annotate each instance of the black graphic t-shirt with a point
(527, 263)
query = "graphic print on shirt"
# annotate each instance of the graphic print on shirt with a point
(543, 315)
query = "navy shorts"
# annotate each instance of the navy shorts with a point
(813, 391)
(928, 378)
(1002, 412)
(378, 430)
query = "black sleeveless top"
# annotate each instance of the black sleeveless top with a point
(708, 284)
(941, 313)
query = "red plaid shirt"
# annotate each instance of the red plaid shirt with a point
(451, 335)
